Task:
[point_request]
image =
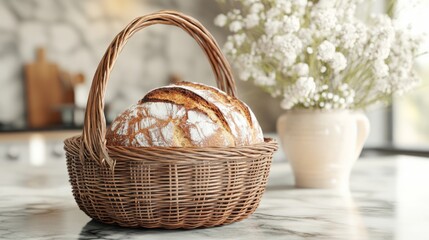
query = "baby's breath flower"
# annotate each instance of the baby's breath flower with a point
(301, 69)
(285, 5)
(235, 26)
(298, 92)
(266, 79)
(291, 24)
(326, 51)
(381, 69)
(273, 13)
(300, 3)
(272, 27)
(256, 7)
(239, 38)
(252, 20)
(325, 19)
(318, 54)
(229, 48)
(338, 62)
(220, 20)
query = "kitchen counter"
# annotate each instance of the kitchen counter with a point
(388, 200)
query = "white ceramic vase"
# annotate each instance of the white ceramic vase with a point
(322, 145)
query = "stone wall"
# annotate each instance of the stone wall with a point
(76, 33)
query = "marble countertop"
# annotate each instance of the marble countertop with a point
(388, 200)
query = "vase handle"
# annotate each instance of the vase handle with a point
(362, 132)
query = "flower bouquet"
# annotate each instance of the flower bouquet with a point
(319, 54)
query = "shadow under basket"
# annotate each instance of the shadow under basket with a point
(157, 187)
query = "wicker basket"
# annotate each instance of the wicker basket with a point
(164, 187)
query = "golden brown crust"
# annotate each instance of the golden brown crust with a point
(185, 114)
(222, 97)
(132, 128)
(188, 99)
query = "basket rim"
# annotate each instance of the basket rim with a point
(183, 154)
(264, 143)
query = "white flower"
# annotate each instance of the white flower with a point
(272, 27)
(280, 44)
(325, 4)
(343, 87)
(256, 7)
(288, 60)
(229, 48)
(263, 46)
(325, 19)
(273, 13)
(252, 20)
(305, 85)
(380, 69)
(266, 79)
(316, 97)
(350, 100)
(249, 2)
(287, 103)
(326, 51)
(291, 24)
(328, 106)
(246, 65)
(348, 35)
(284, 5)
(220, 20)
(300, 3)
(235, 26)
(244, 75)
(301, 69)
(381, 37)
(361, 38)
(239, 38)
(287, 44)
(338, 62)
(298, 92)
(382, 85)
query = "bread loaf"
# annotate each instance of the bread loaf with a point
(184, 115)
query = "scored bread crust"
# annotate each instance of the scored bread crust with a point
(222, 97)
(186, 98)
(142, 125)
(186, 114)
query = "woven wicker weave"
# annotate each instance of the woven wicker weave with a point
(162, 187)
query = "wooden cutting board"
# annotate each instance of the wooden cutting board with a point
(43, 91)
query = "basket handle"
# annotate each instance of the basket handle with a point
(94, 130)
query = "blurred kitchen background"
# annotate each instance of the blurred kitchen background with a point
(49, 50)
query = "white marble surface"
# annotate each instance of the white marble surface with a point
(388, 200)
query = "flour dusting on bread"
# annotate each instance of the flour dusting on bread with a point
(183, 115)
